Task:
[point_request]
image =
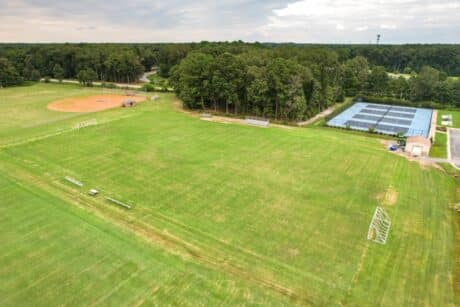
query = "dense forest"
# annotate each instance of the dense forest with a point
(281, 81)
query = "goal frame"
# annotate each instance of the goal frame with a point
(379, 227)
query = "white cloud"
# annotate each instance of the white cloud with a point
(324, 21)
(416, 20)
(388, 27)
(362, 28)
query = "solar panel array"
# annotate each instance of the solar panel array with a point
(385, 119)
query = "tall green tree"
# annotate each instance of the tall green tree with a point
(86, 77)
(423, 84)
(192, 79)
(378, 81)
(8, 74)
(228, 81)
(58, 72)
(399, 88)
(355, 73)
(257, 91)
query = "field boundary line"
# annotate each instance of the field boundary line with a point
(359, 269)
(50, 135)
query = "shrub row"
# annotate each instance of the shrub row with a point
(401, 102)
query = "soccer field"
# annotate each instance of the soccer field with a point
(223, 214)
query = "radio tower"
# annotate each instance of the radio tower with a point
(378, 39)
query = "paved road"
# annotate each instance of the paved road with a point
(454, 146)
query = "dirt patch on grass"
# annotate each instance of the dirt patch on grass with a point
(92, 103)
(389, 198)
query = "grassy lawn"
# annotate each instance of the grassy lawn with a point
(283, 213)
(24, 114)
(439, 149)
(455, 117)
(56, 254)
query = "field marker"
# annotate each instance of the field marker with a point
(118, 202)
(74, 181)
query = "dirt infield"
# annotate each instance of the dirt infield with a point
(92, 103)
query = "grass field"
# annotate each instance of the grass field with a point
(55, 254)
(243, 215)
(455, 117)
(439, 149)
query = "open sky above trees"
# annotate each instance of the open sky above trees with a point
(328, 21)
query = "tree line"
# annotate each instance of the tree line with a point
(258, 82)
(428, 85)
(282, 81)
(294, 83)
(406, 58)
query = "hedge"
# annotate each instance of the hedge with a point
(401, 102)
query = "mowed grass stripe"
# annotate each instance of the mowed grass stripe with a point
(84, 260)
(327, 157)
(290, 206)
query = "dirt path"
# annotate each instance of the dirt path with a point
(318, 116)
(145, 76)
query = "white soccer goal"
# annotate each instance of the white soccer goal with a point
(379, 227)
(91, 122)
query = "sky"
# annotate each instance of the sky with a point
(301, 21)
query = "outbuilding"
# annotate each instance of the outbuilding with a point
(418, 146)
(128, 103)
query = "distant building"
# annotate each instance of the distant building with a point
(418, 146)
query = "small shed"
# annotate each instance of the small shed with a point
(128, 103)
(418, 146)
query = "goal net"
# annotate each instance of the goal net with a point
(379, 227)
